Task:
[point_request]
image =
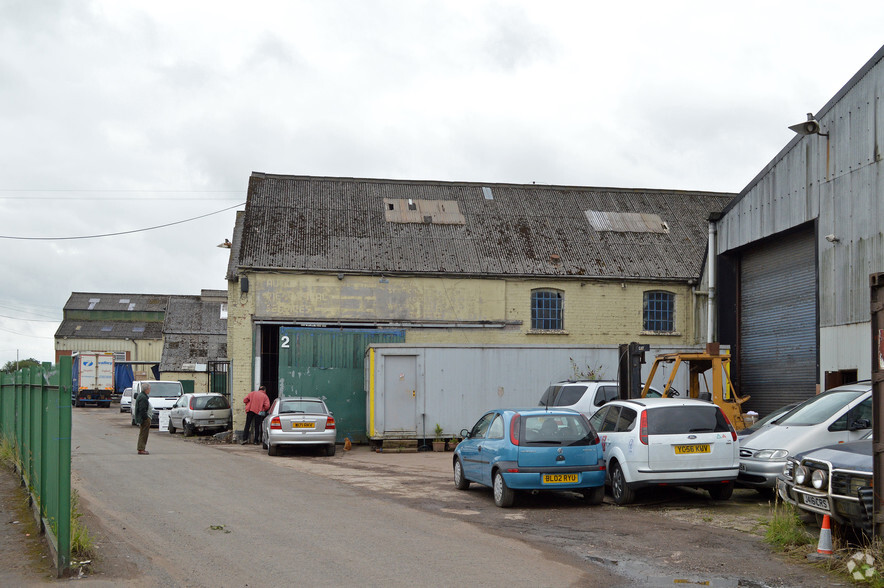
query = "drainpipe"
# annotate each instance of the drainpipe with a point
(712, 300)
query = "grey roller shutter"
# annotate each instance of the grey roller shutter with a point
(778, 322)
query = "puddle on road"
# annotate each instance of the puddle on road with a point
(456, 511)
(638, 572)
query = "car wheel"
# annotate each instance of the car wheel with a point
(594, 495)
(503, 496)
(460, 482)
(330, 450)
(172, 428)
(620, 489)
(273, 450)
(187, 427)
(721, 491)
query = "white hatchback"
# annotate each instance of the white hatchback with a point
(667, 441)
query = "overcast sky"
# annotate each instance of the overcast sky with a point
(119, 116)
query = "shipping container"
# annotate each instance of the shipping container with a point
(412, 388)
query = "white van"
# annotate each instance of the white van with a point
(163, 394)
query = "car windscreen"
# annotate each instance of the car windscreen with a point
(678, 420)
(210, 403)
(557, 430)
(300, 406)
(820, 408)
(165, 389)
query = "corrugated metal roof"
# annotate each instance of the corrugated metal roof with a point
(117, 302)
(109, 330)
(326, 224)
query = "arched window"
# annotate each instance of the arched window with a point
(659, 312)
(547, 310)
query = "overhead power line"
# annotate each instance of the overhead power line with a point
(15, 318)
(187, 220)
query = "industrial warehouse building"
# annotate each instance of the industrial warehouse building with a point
(795, 250)
(321, 268)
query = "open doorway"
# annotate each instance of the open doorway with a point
(270, 360)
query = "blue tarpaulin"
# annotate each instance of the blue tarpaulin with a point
(123, 377)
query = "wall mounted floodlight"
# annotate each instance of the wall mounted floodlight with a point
(809, 127)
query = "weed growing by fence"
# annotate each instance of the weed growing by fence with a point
(82, 545)
(785, 528)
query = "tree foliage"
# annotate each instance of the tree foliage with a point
(14, 366)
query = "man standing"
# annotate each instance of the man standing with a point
(257, 404)
(142, 418)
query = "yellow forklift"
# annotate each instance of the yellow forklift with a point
(721, 391)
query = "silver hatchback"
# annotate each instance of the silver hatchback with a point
(296, 421)
(200, 413)
(837, 416)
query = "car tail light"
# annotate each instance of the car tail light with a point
(730, 426)
(329, 422)
(514, 430)
(190, 403)
(643, 430)
(275, 424)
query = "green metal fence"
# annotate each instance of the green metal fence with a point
(35, 418)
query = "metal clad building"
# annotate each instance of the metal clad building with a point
(804, 236)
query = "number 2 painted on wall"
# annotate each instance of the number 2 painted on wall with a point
(284, 342)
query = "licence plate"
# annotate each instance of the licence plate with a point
(815, 501)
(686, 449)
(559, 478)
(302, 425)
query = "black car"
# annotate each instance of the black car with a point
(835, 480)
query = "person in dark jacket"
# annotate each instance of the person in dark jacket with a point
(142, 418)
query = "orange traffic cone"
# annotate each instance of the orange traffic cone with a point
(824, 547)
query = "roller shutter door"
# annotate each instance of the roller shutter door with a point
(778, 322)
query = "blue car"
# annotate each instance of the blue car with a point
(531, 449)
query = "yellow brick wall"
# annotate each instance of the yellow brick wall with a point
(596, 312)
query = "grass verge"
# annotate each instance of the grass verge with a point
(82, 544)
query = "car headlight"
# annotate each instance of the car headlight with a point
(771, 454)
(818, 479)
(800, 475)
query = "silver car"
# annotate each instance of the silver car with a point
(200, 413)
(837, 416)
(299, 421)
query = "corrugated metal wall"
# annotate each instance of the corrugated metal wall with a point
(778, 330)
(836, 180)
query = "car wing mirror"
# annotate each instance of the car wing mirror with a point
(464, 434)
(859, 424)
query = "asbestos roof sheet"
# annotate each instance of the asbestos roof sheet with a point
(322, 224)
(188, 315)
(118, 302)
(80, 329)
(191, 349)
